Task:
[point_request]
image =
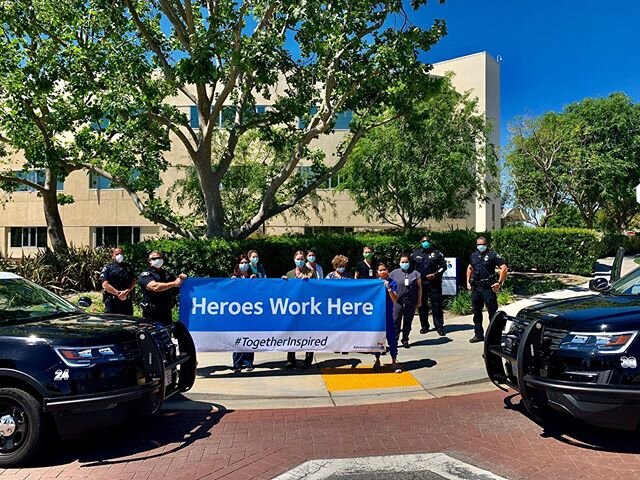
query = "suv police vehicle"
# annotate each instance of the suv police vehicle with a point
(579, 356)
(74, 371)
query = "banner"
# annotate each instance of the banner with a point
(450, 277)
(269, 314)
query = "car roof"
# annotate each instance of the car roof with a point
(9, 276)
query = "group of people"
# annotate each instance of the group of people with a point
(416, 284)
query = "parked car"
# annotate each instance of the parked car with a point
(578, 356)
(75, 371)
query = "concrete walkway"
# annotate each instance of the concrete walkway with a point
(442, 366)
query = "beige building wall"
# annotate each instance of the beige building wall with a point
(94, 208)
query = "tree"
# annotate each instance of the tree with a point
(62, 108)
(536, 159)
(426, 165)
(224, 56)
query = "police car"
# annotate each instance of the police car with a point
(81, 371)
(578, 356)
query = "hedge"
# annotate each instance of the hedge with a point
(560, 250)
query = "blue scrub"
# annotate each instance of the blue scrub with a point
(392, 339)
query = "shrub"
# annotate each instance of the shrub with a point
(563, 250)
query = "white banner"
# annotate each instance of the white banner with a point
(450, 277)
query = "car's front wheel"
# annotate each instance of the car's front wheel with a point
(20, 426)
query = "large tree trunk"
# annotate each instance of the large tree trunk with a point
(55, 228)
(211, 192)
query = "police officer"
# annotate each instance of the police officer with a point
(484, 284)
(431, 265)
(118, 281)
(159, 288)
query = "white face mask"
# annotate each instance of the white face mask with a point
(119, 258)
(157, 263)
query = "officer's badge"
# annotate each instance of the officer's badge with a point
(486, 258)
(145, 274)
(433, 255)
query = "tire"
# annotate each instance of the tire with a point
(20, 412)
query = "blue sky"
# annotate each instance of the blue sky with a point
(553, 52)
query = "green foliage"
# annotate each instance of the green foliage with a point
(461, 303)
(566, 216)
(562, 250)
(424, 165)
(75, 270)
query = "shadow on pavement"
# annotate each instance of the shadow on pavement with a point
(429, 341)
(275, 369)
(460, 327)
(161, 434)
(576, 433)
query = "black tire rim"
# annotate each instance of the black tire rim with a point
(13, 426)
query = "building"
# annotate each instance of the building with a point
(104, 215)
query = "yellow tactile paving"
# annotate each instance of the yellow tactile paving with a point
(363, 378)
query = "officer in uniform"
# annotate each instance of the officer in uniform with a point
(118, 281)
(431, 265)
(483, 283)
(159, 289)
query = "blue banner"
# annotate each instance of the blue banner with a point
(233, 314)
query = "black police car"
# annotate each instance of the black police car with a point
(62, 366)
(579, 356)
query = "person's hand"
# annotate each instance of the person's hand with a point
(386, 284)
(122, 296)
(431, 276)
(468, 285)
(182, 276)
(253, 276)
(178, 281)
(284, 277)
(418, 305)
(495, 287)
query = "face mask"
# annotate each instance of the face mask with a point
(119, 258)
(243, 267)
(311, 259)
(368, 255)
(157, 263)
(426, 244)
(299, 263)
(340, 269)
(255, 260)
(383, 274)
(482, 248)
(404, 266)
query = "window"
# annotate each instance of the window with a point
(306, 173)
(343, 120)
(37, 177)
(302, 123)
(114, 236)
(101, 124)
(493, 213)
(28, 237)
(98, 182)
(194, 119)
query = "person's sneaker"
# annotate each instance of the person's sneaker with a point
(424, 330)
(289, 365)
(441, 332)
(476, 339)
(397, 367)
(237, 369)
(376, 366)
(405, 344)
(248, 366)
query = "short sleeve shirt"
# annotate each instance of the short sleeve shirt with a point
(161, 300)
(406, 292)
(367, 271)
(484, 265)
(119, 275)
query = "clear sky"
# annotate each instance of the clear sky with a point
(553, 52)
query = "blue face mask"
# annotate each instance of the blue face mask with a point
(311, 259)
(299, 263)
(243, 267)
(255, 260)
(404, 266)
(340, 269)
(482, 248)
(426, 244)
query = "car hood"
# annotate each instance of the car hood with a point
(77, 329)
(595, 313)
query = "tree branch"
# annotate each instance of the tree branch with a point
(22, 181)
(178, 131)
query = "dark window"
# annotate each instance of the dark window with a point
(227, 117)
(28, 237)
(101, 124)
(194, 119)
(114, 236)
(343, 120)
(98, 182)
(37, 177)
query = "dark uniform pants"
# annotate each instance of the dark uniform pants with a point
(308, 357)
(403, 312)
(155, 314)
(482, 295)
(114, 305)
(431, 292)
(243, 359)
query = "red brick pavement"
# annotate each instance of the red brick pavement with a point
(481, 429)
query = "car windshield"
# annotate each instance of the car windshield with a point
(21, 300)
(627, 285)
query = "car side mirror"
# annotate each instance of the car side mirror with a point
(84, 302)
(598, 284)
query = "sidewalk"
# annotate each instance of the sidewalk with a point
(441, 366)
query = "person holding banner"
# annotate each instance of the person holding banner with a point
(313, 266)
(392, 339)
(257, 269)
(409, 297)
(303, 272)
(158, 290)
(242, 359)
(366, 268)
(340, 271)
